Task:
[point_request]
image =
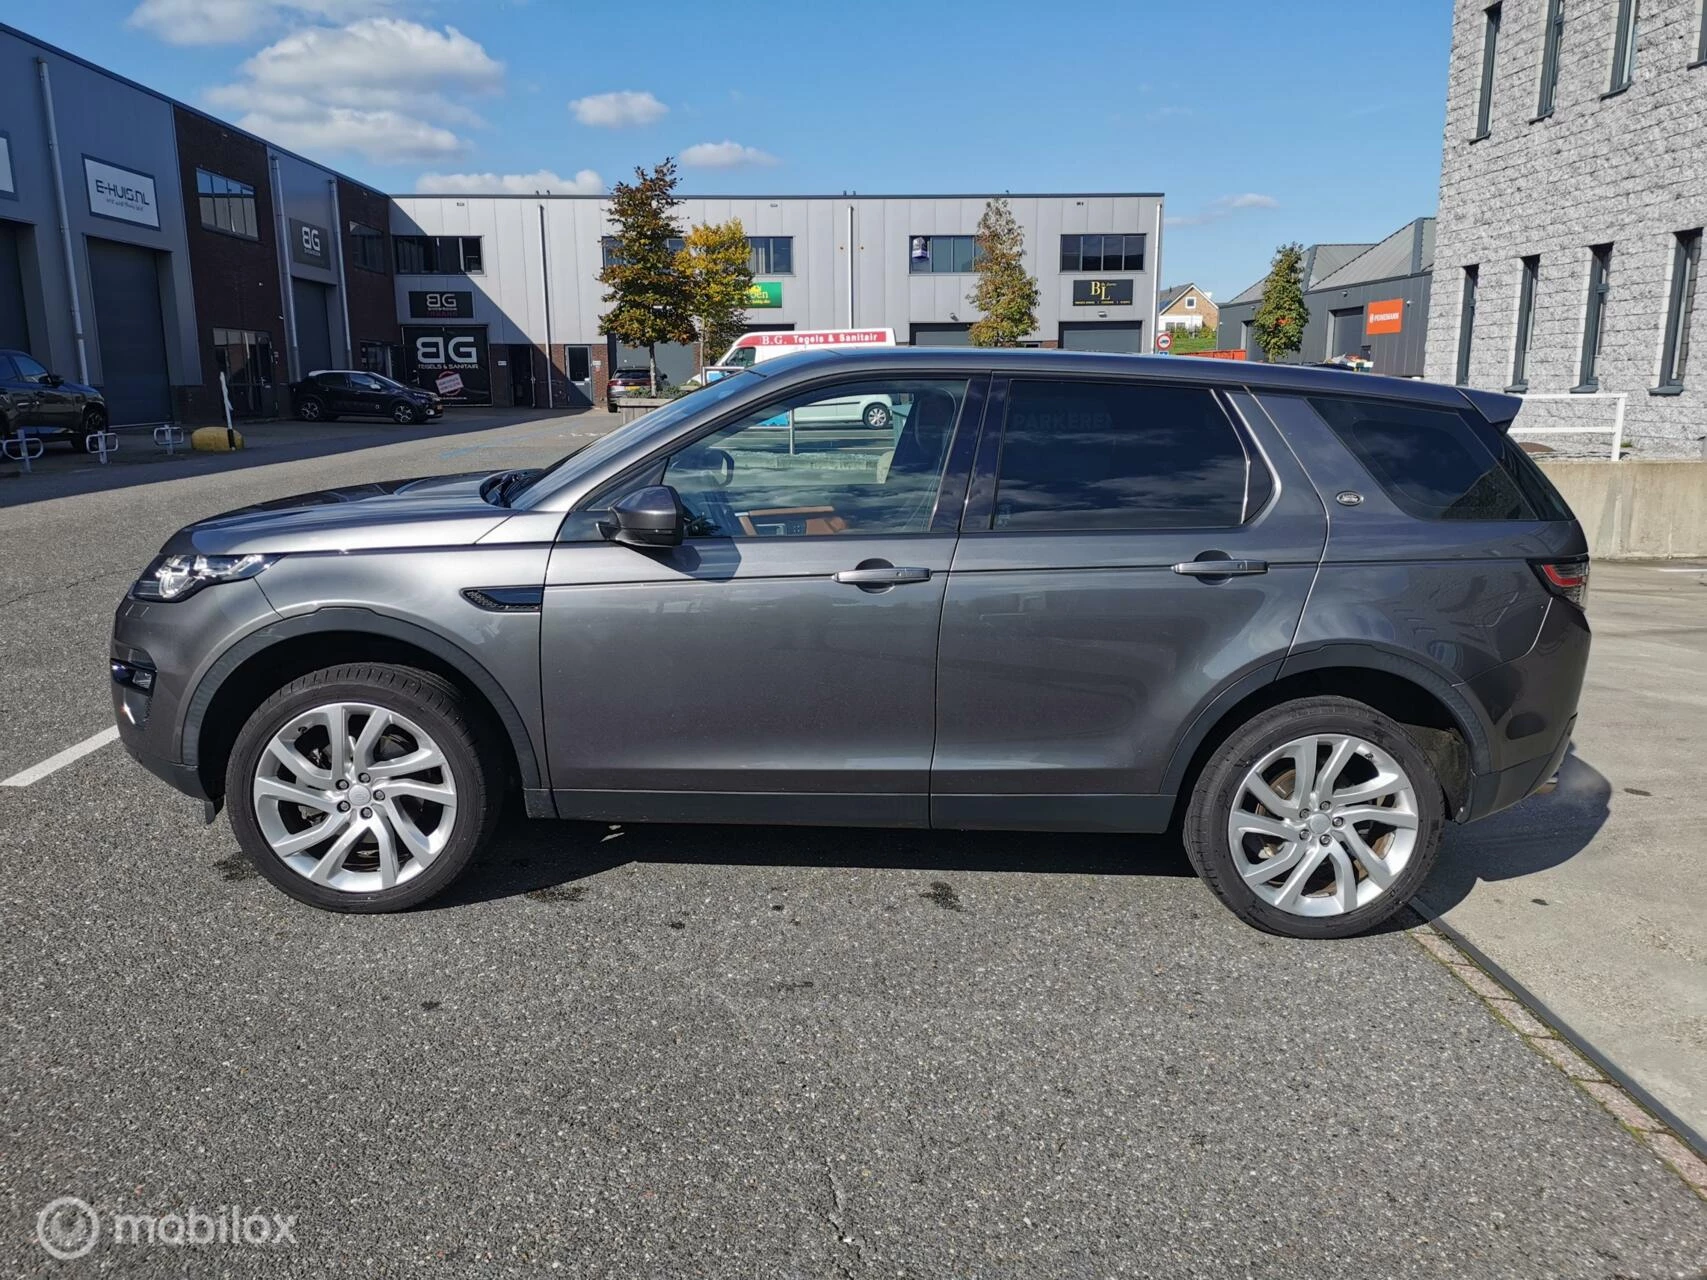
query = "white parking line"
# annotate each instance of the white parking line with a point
(36, 772)
(1700, 568)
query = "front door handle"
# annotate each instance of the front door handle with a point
(887, 576)
(1222, 568)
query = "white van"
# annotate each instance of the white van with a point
(752, 348)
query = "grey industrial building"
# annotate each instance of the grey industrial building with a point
(1573, 195)
(820, 262)
(1364, 300)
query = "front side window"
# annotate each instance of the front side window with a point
(1109, 252)
(227, 204)
(1117, 455)
(1441, 464)
(863, 457)
(1686, 264)
(1624, 44)
(30, 370)
(938, 255)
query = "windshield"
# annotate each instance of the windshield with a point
(589, 456)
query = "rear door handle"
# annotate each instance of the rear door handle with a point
(1222, 568)
(886, 577)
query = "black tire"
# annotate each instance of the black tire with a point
(431, 702)
(312, 409)
(403, 413)
(94, 422)
(876, 416)
(1212, 800)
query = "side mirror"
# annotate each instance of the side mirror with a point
(647, 518)
(54, 380)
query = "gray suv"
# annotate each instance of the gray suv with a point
(1301, 617)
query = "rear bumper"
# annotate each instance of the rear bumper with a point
(1490, 792)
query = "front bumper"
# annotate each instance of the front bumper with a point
(177, 643)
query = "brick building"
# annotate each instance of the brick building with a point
(1572, 200)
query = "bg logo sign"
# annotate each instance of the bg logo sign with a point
(312, 245)
(436, 352)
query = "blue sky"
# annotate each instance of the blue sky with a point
(1261, 121)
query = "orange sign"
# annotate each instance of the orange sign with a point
(1224, 354)
(1384, 317)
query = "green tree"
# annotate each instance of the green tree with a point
(1282, 315)
(1005, 292)
(717, 263)
(651, 298)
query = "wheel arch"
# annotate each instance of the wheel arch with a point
(263, 662)
(1425, 701)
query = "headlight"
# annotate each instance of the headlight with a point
(176, 577)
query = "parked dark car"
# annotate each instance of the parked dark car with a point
(327, 394)
(1301, 617)
(34, 402)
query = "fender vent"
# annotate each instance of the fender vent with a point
(505, 599)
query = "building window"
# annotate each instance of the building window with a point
(1102, 253)
(771, 255)
(375, 357)
(1490, 46)
(1467, 322)
(1685, 263)
(608, 254)
(939, 254)
(227, 205)
(1701, 40)
(369, 245)
(1191, 304)
(245, 358)
(437, 255)
(1594, 322)
(1624, 47)
(1552, 38)
(1525, 324)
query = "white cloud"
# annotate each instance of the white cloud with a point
(585, 183)
(233, 21)
(1221, 207)
(380, 87)
(618, 110)
(724, 155)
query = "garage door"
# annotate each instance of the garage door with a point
(313, 324)
(14, 326)
(1346, 337)
(1126, 338)
(125, 282)
(942, 335)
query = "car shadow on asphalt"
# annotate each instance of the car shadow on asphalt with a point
(545, 859)
(1541, 832)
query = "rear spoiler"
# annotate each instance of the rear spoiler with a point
(1500, 410)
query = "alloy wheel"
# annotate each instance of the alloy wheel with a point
(354, 797)
(1323, 825)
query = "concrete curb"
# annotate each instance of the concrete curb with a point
(1645, 1118)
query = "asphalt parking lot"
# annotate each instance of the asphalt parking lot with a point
(686, 1051)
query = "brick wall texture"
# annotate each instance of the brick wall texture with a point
(1628, 169)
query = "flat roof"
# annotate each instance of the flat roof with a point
(796, 195)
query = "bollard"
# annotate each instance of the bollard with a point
(101, 442)
(169, 436)
(22, 449)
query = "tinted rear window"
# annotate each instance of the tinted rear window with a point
(1111, 455)
(1441, 464)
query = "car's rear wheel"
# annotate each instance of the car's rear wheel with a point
(362, 788)
(876, 415)
(311, 409)
(1318, 818)
(404, 412)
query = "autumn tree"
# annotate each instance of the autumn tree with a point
(650, 296)
(1006, 293)
(716, 263)
(1282, 315)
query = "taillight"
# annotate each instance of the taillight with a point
(1567, 579)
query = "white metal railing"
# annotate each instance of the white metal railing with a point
(1616, 429)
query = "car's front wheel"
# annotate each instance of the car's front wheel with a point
(876, 415)
(1318, 818)
(94, 422)
(362, 788)
(310, 409)
(404, 412)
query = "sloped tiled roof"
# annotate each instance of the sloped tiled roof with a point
(1407, 251)
(1170, 293)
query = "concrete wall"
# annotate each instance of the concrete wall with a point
(1630, 169)
(1636, 510)
(509, 295)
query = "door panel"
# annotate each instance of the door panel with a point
(1071, 663)
(131, 332)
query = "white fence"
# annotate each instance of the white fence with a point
(1616, 430)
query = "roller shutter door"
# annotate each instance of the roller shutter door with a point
(313, 325)
(1122, 338)
(14, 325)
(125, 283)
